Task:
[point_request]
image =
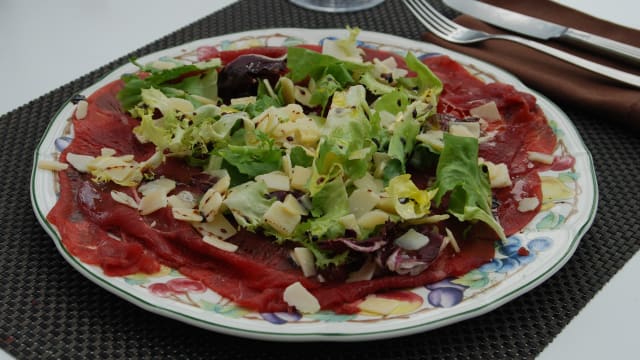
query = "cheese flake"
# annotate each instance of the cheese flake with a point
(300, 298)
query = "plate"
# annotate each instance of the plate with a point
(569, 206)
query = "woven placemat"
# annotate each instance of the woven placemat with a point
(48, 310)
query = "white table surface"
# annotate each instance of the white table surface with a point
(43, 47)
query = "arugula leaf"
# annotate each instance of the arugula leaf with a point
(459, 175)
(404, 135)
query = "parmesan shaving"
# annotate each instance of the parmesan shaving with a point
(452, 240)
(124, 199)
(52, 165)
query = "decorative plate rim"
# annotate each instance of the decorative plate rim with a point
(326, 332)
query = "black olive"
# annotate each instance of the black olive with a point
(240, 77)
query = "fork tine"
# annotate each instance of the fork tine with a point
(418, 13)
(430, 18)
(437, 16)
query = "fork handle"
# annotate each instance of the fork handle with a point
(609, 72)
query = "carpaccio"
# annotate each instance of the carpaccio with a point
(256, 275)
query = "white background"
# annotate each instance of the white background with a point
(46, 44)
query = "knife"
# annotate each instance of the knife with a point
(541, 29)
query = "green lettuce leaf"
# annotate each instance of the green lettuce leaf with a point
(403, 139)
(264, 100)
(166, 132)
(324, 89)
(329, 204)
(248, 203)
(299, 157)
(409, 201)
(180, 81)
(304, 63)
(346, 48)
(253, 160)
(182, 134)
(427, 84)
(327, 73)
(347, 147)
(459, 175)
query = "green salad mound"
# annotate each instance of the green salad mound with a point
(324, 152)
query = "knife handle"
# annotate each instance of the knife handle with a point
(628, 53)
(611, 73)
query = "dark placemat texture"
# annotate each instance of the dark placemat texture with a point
(48, 310)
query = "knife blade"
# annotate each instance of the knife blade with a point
(545, 30)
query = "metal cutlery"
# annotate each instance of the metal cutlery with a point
(446, 29)
(545, 30)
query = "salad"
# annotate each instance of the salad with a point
(301, 178)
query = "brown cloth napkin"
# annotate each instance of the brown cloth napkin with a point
(558, 80)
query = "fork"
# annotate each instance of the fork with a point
(448, 30)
